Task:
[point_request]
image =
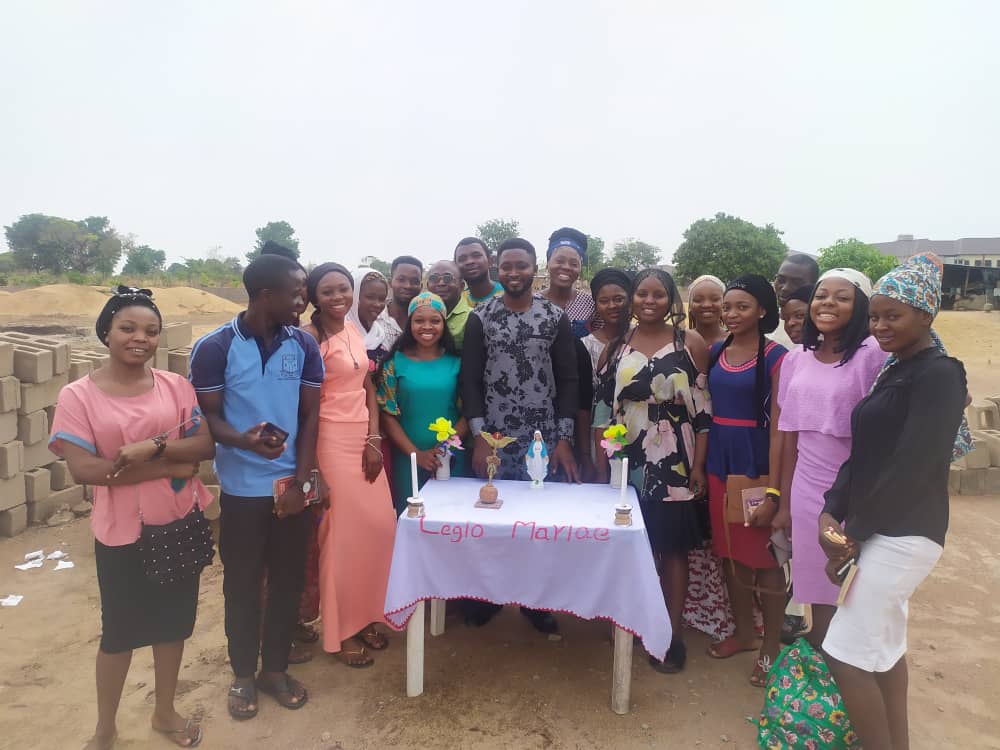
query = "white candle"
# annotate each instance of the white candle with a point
(413, 474)
(624, 478)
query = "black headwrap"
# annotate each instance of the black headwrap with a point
(761, 290)
(122, 297)
(610, 276)
(802, 294)
(568, 237)
(312, 282)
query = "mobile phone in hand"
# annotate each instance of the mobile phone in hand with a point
(273, 433)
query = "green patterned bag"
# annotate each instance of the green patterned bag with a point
(803, 709)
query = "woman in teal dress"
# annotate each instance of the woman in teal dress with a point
(419, 384)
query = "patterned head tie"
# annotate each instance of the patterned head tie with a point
(916, 282)
(857, 278)
(428, 299)
(122, 297)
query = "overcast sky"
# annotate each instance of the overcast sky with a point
(388, 128)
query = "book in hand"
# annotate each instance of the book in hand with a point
(846, 573)
(312, 497)
(753, 498)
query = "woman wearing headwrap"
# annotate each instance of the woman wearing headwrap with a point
(357, 532)
(819, 385)
(135, 434)
(743, 370)
(611, 290)
(380, 331)
(564, 261)
(705, 308)
(890, 499)
(419, 383)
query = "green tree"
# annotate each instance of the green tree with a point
(382, 266)
(143, 260)
(632, 255)
(595, 258)
(853, 253)
(276, 231)
(494, 231)
(52, 243)
(727, 247)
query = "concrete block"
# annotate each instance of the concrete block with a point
(973, 481)
(11, 459)
(12, 492)
(14, 521)
(991, 439)
(33, 364)
(180, 361)
(10, 393)
(6, 359)
(33, 427)
(37, 485)
(59, 475)
(993, 399)
(983, 415)
(161, 360)
(213, 510)
(35, 396)
(37, 455)
(8, 426)
(175, 335)
(979, 456)
(60, 349)
(99, 358)
(39, 512)
(80, 368)
(993, 481)
(955, 480)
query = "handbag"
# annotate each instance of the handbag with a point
(178, 550)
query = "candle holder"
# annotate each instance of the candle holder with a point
(415, 507)
(623, 515)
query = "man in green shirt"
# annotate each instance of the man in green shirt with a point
(445, 280)
(473, 258)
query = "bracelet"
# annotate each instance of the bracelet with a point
(160, 441)
(369, 445)
(376, 436)
(772, 491)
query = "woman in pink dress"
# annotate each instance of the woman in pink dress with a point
(136, 435)
(820, 385)
(357, 531)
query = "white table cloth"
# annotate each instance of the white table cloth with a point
(555, 548)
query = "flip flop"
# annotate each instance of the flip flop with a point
(177, 736)
(373, 639)
(305, 633)
(729, 647)
(299, 653)
(361, 658)
(285, 693)
(246, 693)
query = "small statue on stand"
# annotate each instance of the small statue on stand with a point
(488, 493)
(537, 461)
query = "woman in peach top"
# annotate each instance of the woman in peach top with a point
(104, 427)
(357, 532)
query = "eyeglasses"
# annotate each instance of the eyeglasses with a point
(444, 278)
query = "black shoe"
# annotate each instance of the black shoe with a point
(674, 661)
(791, 628)
(543, 621)
(478, 613)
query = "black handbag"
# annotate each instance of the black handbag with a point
(178, 550)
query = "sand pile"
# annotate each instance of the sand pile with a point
(71, 300)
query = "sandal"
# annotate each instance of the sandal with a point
(183, 737)
(356, 659)
(289, 692)
(729, 647)
(373, 639)
(241, 697)
(304, 633)
(761, 671)
(299, 653)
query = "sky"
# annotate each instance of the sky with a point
(384, 128)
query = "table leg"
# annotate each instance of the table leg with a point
(437, 616)
(621, 672)
(415, 653)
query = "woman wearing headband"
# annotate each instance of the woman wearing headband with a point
(564, 261)
(742, 373)
(419, 383)
(820, 384)
(357, 532)
(890, 499)
(135, 434)
(705, 308)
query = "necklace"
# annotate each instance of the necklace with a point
(347, 341)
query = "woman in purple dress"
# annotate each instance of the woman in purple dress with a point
(820, 385)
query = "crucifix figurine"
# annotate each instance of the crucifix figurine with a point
(488, 493)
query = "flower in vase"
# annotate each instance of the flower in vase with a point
(442, 429)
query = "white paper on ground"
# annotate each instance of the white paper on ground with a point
(57, 555)
(11, 600)
(63, 565)
(37, 563)
(38, 554)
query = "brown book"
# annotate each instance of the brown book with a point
(846, 574)
(741, 490)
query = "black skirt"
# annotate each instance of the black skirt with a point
(673, 527)
(136, 612)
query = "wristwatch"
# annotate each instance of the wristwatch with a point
(307, 487)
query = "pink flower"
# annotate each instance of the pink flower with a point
(660, 441)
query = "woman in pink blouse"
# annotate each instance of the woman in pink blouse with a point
(136, 435)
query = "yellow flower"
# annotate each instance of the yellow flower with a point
(442, 429)
(616, 432)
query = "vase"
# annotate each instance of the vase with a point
(616, 472)
(444, 470)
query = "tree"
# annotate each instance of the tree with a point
(632, 255)
(727, 247)
(853, 253)
(383, 267)
(494, 231)
(595, 258)
(52, 243)
(276, 231)
(143, 260)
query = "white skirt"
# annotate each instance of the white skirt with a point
(868, 630)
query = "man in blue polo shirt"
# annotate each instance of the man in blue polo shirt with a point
(258, 378)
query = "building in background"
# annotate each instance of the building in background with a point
(977, 252)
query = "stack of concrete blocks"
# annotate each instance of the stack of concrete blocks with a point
(979, 472)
